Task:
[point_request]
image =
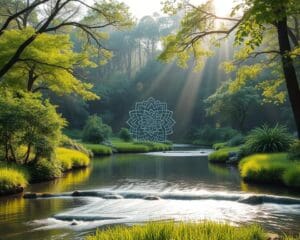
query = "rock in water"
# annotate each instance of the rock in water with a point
(112, 196)
(152, 198)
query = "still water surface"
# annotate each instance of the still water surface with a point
(188, 186)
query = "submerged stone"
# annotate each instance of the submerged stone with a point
(152, 198)
(112, 196)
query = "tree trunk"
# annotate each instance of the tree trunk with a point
(289, 71)
(16, 56)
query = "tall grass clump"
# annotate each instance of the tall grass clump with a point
(13, 179)
(294, 151)
(181, 231)
(268, 140)
(271, 168)
(70, 159)
(98, 149)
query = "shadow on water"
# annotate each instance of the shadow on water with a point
(33, 219)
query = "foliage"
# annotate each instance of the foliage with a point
(237, 140)
(44, 170)
(209, 135)
(27, 120)
(267, 139)
(291, 176)
(71, 159)
(218, 146)
(98, 149)
(222, 155)
(125, 135)
(232, 106)
(47, 66)
(270, 168)
(69, 143)
(13, 179)
(181, 231)
(294, 151)
(95, 131)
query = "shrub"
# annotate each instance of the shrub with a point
(237, 140)
(13, 179)
(125, 135)
(267, 140)
(95, 131)
(70, 159)
(44, 170)
(28, 121)
(180, 231)
(294, 152)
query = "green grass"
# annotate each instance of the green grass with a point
(13, 179)
(218, 146)
(271, 168)
(222, 155)
(139, 147)
(70, 159)
(181, 231)
(98, 149)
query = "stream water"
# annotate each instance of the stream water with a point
(134, 188)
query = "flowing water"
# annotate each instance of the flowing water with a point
(134, 188)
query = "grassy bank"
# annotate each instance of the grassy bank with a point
(139, 147)
(183, 231)
(222, 155)
(271, 168)
(120, 146)
(13, 179)
(98, 149)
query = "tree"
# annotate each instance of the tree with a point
(47, 63)
(60, 15)
(95, 131)
(232, 106)
(30, 128)
(199, 27)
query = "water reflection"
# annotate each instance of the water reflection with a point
(140, 172)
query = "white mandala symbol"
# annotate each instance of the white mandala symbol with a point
(151, 121)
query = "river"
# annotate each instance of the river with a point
(134, 188)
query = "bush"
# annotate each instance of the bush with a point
(13, 179)
(267, 140)
(181, 231)
(125, 135)
(294, 152)
(271, 168)
(28, 121)
(95, 131)
(237, 140)
(70, 159)
(44, 170)
(208, 135)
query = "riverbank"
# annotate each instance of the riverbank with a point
(15, 177)
(266, 168)
(119, 146)
(186, 231)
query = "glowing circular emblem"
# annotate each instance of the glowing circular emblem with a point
(151, 121)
